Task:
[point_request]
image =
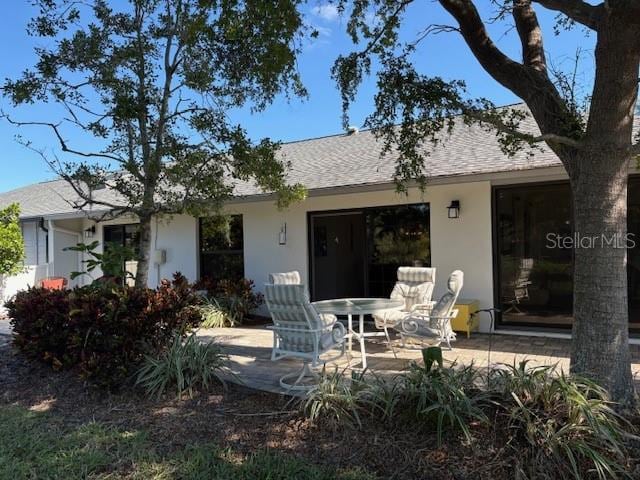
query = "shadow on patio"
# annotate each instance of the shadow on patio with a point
(249, 350)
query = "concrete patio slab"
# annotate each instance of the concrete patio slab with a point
(249, 351)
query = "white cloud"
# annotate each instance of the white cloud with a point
(327, 11)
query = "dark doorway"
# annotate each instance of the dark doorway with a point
(357, 253)
(338, 255)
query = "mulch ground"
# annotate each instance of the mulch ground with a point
(247, 420)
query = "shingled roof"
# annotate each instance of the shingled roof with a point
(336, 161)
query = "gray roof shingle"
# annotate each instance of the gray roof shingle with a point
(335, 161)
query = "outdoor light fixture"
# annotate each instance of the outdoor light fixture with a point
(90, 232)
(282, 238)
(453, 210)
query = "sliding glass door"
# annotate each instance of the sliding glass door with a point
(533, 272)
(535, 280)
(357, 253)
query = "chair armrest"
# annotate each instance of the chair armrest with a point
(292, 329)
(410, 324)
(428, 306)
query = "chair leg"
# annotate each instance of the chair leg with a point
(299, 377)
(386, 333)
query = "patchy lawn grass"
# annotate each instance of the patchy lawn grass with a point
(36, 445)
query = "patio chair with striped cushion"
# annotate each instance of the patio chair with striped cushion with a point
(299, 332)
(293, 278)
(434, 327)
(414, 287)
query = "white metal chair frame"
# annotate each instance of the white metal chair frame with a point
(418, 276)
(411, 326)
(445, 310)
(296, 322)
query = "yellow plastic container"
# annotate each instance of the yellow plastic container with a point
(463, 322)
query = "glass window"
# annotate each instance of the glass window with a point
(535, 276)
(127, 235)
(357, 253)
(221, 248)
(124, 235)
(397, 236)
(633, 259)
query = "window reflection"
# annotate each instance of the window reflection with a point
(536, 281)
(221, 248)
(397, 236)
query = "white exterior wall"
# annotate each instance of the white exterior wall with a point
(463, 243)
(35, 243)
(29, 277)
(177, 235)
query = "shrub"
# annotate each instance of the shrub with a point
(186, 366)
(39, 318)
(447, 398)
(335, 400)
(553, 425)
(101, 331)
(238, 298)
(561, 426)
(229, 302)
(11, 242)
(214, 315)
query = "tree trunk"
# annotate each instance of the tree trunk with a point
(144, 254)
(599, 177)
(600, 347)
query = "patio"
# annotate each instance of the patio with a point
(249, 351)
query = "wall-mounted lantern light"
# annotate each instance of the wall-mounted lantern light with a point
(282, 238)
(90, 232)
(453, 210)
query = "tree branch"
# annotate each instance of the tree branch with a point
(499, 125)
(530, 35)
(532, 85)
(63, 144)
(577, 10)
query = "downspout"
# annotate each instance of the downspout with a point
(46, 230)
(50, 248)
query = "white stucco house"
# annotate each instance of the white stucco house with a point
(353, 231)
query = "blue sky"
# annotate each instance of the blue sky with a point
(444, 54)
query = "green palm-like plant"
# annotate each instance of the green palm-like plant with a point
(186, 366)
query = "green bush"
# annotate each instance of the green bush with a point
(335, 400)
(215, 316)
(447, 398)
(562, 426)
(228, 302)
(11, 242)
(102, 332)
(554, 426)
(186, 366)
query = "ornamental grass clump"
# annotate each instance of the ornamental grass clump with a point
(336, 400)
(561, 426)
(228, 302)
(547, 425)
(185, 367)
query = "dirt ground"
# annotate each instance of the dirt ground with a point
(248, 420)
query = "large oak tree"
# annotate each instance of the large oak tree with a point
(595, 144)
(151, 83)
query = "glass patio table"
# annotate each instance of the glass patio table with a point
(360, 307)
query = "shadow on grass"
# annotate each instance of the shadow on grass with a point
(35, 445)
